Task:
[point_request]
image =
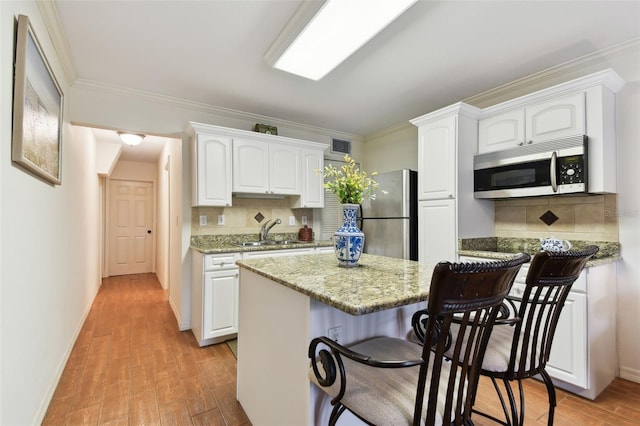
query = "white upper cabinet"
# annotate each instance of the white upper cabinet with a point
(250, 167)
(501, 131)
(260, 168)
(557, 118)
(437, 159)
(211, 170)
(227, 161)
(284, 169)
(312, 191)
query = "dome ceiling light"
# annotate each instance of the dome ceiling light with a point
(131, 139)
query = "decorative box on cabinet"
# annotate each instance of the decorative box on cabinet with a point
(211, 169)
(214, 297)
(260, 168)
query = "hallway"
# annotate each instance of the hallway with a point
(131, 366)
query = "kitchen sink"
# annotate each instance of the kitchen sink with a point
(262, 243)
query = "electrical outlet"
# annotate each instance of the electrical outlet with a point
(292, 220)
(203, 220)
(303, 220)
(220, 219)
(334, 333)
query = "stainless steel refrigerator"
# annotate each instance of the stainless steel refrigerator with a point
(390, 222)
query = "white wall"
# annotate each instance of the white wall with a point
(625, 60)
(628, 108)
(49, 269)
(392, 149)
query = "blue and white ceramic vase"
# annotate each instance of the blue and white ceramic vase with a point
(349, 239)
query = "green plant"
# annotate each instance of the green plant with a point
(350, 184)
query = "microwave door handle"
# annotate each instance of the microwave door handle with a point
(552, 172)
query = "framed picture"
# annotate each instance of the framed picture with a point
(37, 108)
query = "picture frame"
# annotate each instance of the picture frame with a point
(37, 108)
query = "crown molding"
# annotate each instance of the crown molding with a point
(59, 40)
(550, 76)
(405, 125)
(95, 86)
(460, 108)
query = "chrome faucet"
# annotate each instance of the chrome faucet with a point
(264, 231)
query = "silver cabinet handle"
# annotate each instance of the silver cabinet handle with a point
(552, 172)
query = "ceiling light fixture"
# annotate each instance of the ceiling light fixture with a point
(321, 35)
(131, 139)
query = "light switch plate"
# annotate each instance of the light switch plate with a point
(220, 219)
(203, 220)
(292, 220)
(303, 220)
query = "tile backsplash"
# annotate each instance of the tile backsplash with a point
(588, 218)
(241, 217)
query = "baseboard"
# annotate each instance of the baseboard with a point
(630, 374)
(182, 325)
(44, 406)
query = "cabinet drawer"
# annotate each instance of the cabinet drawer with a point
(220, 261)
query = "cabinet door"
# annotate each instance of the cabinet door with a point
(437, 159)
(502, 131)
(250, 166)
(284, 169)
(220, 299)
(213, 170)
(568, 359)
(557, 118)
(312, 191)
(437, 231)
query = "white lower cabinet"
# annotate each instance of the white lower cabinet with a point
(220, 300)
(214, 297)
(437, 231)
(215, 289)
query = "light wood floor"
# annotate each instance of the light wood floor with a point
(131, 366)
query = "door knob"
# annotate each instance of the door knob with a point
(148, 231)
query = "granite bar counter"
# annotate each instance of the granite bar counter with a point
(376, 284)
(285, 302)
(499, 248)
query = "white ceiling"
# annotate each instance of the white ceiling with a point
(439, 52)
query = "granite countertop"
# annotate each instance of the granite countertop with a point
(210, 244)
(378, 283)
(501, 248)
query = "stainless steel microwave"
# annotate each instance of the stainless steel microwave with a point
(545, 168)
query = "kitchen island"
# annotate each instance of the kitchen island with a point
(285, 302)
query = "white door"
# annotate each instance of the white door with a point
(130, 227)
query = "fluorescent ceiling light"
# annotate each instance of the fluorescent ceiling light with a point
(337, 30)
